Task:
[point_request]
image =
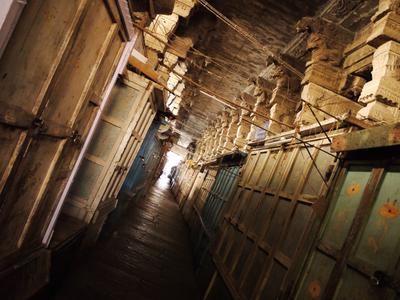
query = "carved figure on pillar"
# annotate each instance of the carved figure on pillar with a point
(283, 103)
(216, 135)
(232, 130)
(224, 130)
(244, 124)
(326, 42)
(262, 94)
(324, 78)
(209, 141)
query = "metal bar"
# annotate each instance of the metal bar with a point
(315, 165)
(319, 123)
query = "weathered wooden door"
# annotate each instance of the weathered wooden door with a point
(106, 147)
(357, 253)
(138, 131)
(126, 154)
(49, 83)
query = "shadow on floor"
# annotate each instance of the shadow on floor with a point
(147, 256)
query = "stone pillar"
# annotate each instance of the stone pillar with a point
(262, 93)
(381, 95)
(197, 152)
(324, 77)
(217, 135)
(229, 144)
(283, 100)
(248, 101)
(209, 142)
(224, 130)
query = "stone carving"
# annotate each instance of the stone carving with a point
(343, 7)
(385, 7)
(210, 132)
(327, 100)
(224, 130)
(244, 124)
(217, 135)
(326, 42)
(198, 151)
(262, 94)
(384, 88)
(353, 87)
(324, 78)
(320, 42)
(232, 130)
(386, 23)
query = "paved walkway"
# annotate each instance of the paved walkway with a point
(147, 256)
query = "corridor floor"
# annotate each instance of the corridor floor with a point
(146, 257)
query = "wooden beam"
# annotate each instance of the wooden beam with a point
(375, 137)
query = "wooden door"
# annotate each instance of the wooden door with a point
(27, 67)
(137, 135)
(106, 147)
(73, 146)
(127, 152)
(358, 249)
(55, 97)
(264, 231)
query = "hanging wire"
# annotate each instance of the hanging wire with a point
(238, 106)
(251, 38)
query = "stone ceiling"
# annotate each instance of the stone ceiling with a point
(234, 60)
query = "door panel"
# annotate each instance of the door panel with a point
(121, 114)
(276, 212)
(85, 48)
(347, 203)
(379, 242)
(360, 241)
(316, 277)
(27, 68)
(355, 285)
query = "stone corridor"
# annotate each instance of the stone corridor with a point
(147, 256)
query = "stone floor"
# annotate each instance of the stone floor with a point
(146, 257)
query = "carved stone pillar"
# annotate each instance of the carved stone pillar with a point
(324, 78)
(209, 142)
(217, 135)
(244, 125)
(262, 92)
(326, 43)
(382, 94)
(202, 148)
(197, 152)
(283, 110)
(229, 144)
(224, 130)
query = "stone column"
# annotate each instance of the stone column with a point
(229, 144)
(248, 101)
(197, 152)
(262, 93)
(283, 101)
(209, 142)
(381, 95)
(324, 77)
(224, 130)
(217, 135)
